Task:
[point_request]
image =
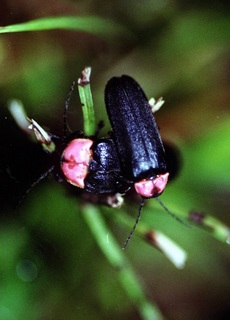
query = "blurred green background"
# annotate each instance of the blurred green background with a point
(50, 264)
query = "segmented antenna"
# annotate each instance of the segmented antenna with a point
(135, 225)
(139, 216)
(42, 177)
(67, 103)
(173, 215)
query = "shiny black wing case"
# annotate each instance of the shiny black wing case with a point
(105, 175)
(135, 132)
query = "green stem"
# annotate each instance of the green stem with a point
(116, 257)
(87, 102)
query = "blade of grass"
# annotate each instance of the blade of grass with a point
(92, 24)
(171, 250)
(116, 257)
(216, 228)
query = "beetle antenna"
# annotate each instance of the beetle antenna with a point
(173, 215)
(67, 103)
(135, 225)
(42, 177)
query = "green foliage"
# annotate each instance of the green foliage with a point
(62, 259)
(94, 25)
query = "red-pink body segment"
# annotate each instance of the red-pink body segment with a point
(149, 188)
(75, 161)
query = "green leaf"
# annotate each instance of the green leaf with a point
(95, 25)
